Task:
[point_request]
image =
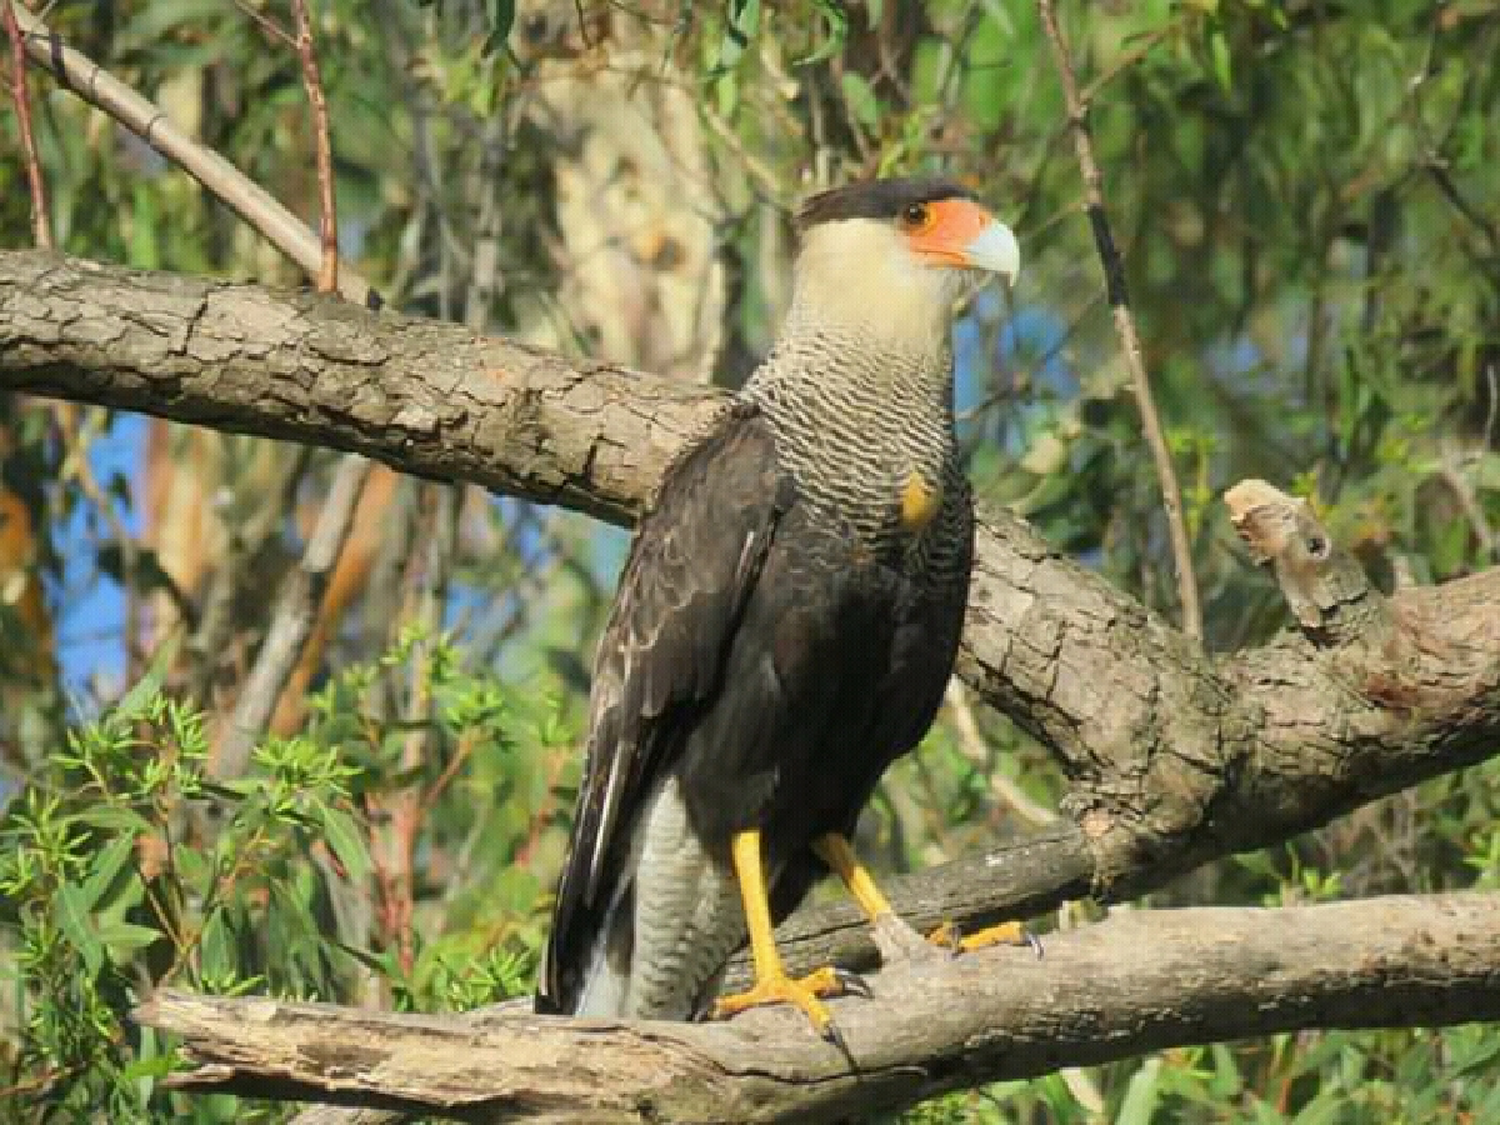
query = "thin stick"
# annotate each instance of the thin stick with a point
(41, 225)
(267, 24)
(328, 270)
(1003, 788)
(437, 528)
(297, 606)
(146, 120)
(1119, 303)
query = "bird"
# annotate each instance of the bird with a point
(786, 622)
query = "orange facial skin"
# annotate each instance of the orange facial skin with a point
(942, 231)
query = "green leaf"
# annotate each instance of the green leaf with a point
(1476, 1056)
(73, 919)
(837, 23)
(114, 818)
(144, 226)
(347, 842)
(158, 1066)
(502, 19)
(1218, 48)
(1141, 1095)
(861, 100)
(136, 701)
(742, 27)
(1227, 1081)
(216, 947)
(383, 963)
(106, 866)
(127, 937)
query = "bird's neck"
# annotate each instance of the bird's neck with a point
(858, 416)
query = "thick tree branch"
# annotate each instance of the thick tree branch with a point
(1138, 982)
(425, 397)
(1175, 757)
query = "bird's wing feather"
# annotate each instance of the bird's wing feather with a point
(692, 564)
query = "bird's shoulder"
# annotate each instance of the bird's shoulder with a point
(698, 546)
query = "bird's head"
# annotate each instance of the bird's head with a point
(895, 255)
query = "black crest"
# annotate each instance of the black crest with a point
(876, 199)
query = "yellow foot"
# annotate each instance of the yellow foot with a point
(803, 993)
(948, 937)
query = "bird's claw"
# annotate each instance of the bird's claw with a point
(852, 984)
(947, 936)
(803, 993)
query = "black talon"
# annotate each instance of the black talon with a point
(836, 1037)
(853, 984)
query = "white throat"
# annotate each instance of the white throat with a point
(859, 276)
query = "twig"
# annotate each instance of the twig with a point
(977, 751)
(267, 24)
(1450, 470)
(296, 607)
(1434, 166)
(328, 269)
(41, 224)
(437, 528)
(227, 183)
(1119, 303)
(246, 546)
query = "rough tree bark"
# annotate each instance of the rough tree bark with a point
(1140, 981)
(1174, 756)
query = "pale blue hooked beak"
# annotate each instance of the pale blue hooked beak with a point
(995, 249)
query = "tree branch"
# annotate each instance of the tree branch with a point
(1130, 340)
(424, 397)
(297, 604)
(1175, 757)
(41, 222)
(1138, 982)
(260, 210)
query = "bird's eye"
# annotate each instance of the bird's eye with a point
(915, 216)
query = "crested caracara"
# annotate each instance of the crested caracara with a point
(785, 624)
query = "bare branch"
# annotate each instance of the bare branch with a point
(328, 224)
(146, 120)
(41, 224)
(1324, 586)
(297, 606)
(1130, 341)
(1137, 982)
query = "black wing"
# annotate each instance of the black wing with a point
(692, 565)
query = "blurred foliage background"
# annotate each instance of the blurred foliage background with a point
(1307, 197)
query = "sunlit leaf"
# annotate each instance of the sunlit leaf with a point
(347, 842)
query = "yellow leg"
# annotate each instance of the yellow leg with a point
(836, 851)
(772, 985)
